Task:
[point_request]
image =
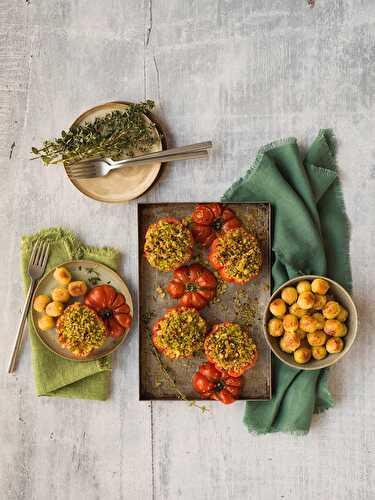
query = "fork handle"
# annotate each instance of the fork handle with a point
(21, 328)
(191, 148)
(130, 162)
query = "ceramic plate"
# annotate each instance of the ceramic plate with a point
(81, 270)
(123, 184)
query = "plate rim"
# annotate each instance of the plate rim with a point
(163, 142)
(36, 328)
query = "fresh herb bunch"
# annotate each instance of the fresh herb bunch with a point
(110, 136)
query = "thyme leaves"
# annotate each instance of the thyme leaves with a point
(110, 135)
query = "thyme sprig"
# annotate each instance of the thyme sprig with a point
(110, 136)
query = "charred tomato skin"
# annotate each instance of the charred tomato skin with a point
(194, 285)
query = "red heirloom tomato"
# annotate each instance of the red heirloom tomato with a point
(111, 307)
(210, 383)
(194, 285)
(211, 220)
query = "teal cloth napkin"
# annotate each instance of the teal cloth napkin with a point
(310, 236)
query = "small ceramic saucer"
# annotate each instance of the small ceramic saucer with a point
(123, 184)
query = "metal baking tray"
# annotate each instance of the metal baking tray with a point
(153, 300)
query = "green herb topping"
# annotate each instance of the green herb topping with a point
(167, 245)
(181, 333)
(231, 347)
(239, 252)
(80, 330)
(111, 135)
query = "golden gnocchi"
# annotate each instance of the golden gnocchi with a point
(308, 321)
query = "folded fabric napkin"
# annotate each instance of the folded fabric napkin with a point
(310, 236)
(55, 376)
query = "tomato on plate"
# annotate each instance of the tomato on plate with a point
(111, 307)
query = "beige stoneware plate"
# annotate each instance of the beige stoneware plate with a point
(343, 298)
(123, 184)
(81, 270)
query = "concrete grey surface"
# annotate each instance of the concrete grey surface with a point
(241, 73)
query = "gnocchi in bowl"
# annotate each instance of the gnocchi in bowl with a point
(310, 322)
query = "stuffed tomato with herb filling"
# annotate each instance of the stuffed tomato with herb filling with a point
(211, 220)
(180, 333)
(211, 383)
(237, 256)
(112, 308)
(194, 285)
(80, 330)
(168, 244)
(230, 348)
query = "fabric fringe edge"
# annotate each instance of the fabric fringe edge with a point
(254, 166)
(75, 245)
(329, 136)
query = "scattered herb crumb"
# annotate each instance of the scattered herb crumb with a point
(223, 307)
(147, 317)
(94, 280)
(243, 307)
(159, 290)
(94, 276)
(221, 286)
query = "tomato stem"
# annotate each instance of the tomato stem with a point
(217, 224)
(191, 287)
(219, 385)
(106, 313)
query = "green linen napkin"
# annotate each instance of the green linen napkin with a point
(55, 376)
(310, 236)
